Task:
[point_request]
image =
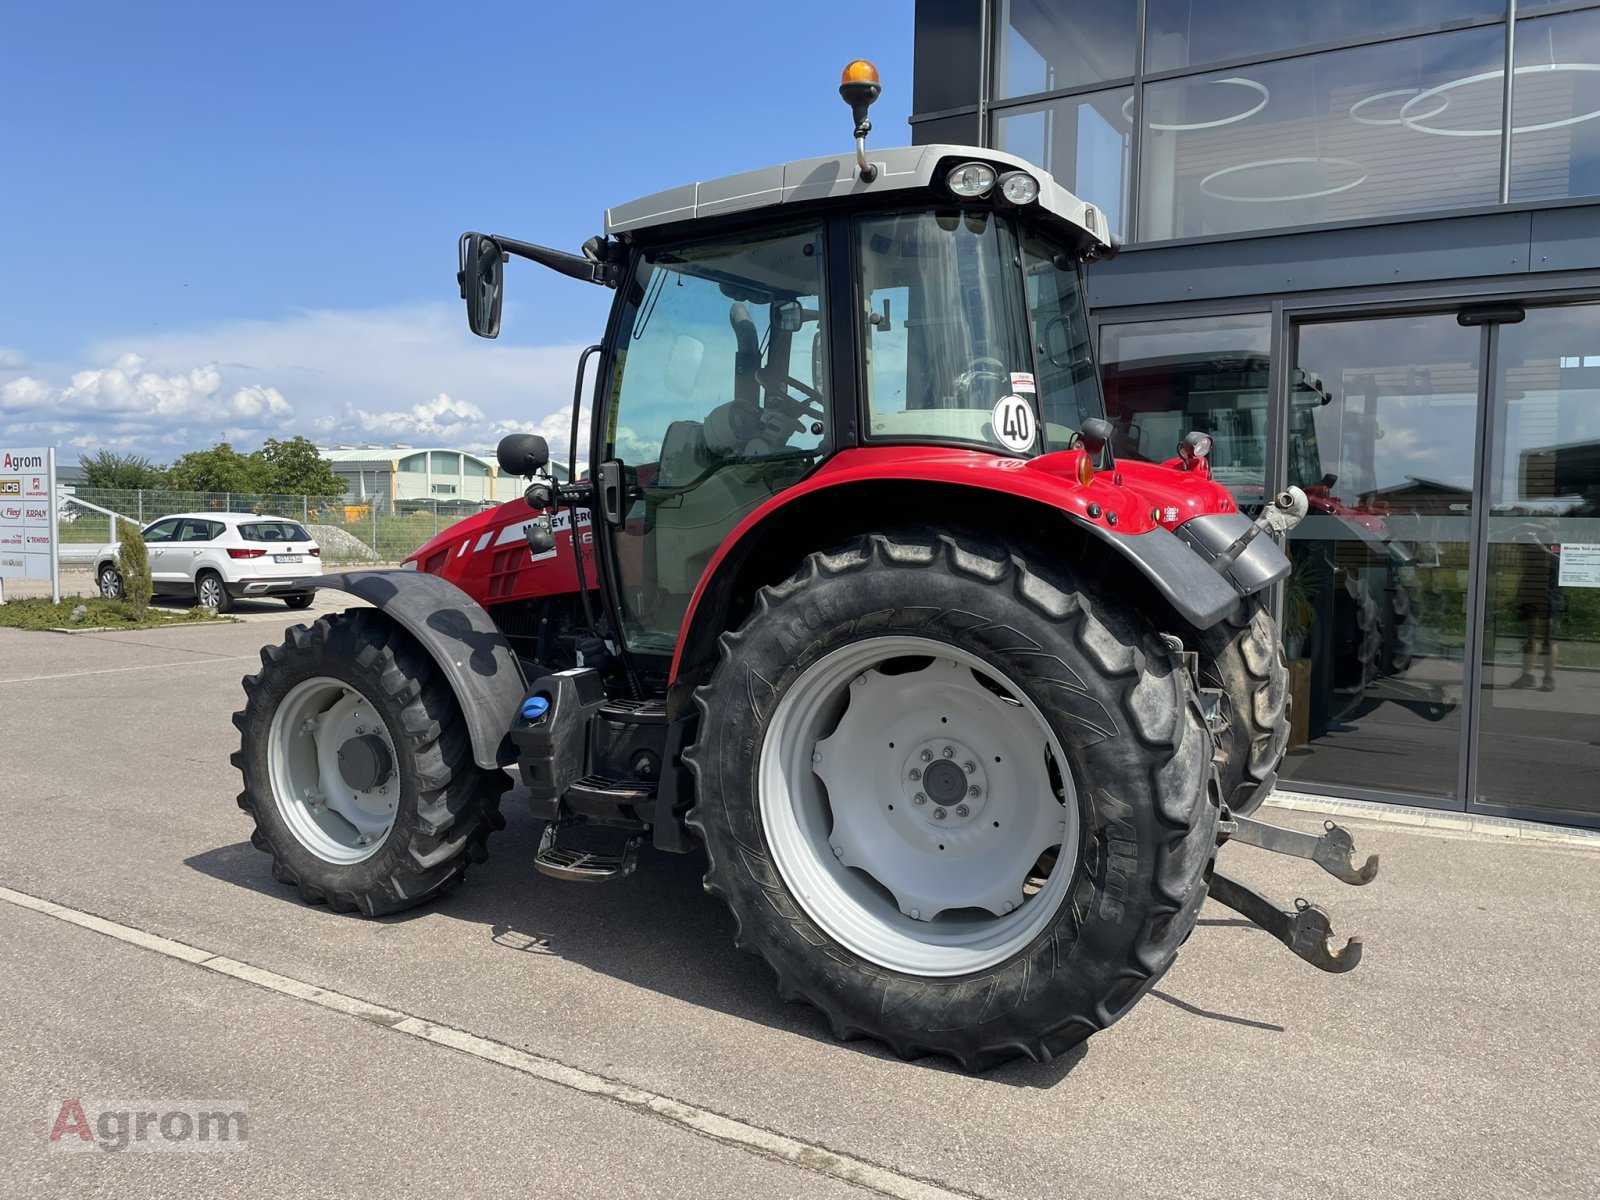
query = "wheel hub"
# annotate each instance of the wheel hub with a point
(365, 762)
(946, 783)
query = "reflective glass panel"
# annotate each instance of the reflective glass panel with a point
(1555, 139)
(1382, 437)
(1166, 378)
(1539, 722)
(1186, 33)
(1084, 141)
(1042, 45)
(1395, 128)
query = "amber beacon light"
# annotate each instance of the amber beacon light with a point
(859, 85)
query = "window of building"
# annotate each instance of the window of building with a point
(1555, 136)
(1189, 33)
(445, 463)
(1399, 127)
(473, 468)
(1045, 45)
(1084, 141)
(416, 464)
(1166, 378)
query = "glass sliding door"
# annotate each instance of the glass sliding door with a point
(1538, 724)
(1383, 420)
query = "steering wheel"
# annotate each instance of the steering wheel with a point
(984, 369)
(812, 405)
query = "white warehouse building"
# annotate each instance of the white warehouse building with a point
(400, 478)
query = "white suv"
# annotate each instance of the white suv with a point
(220, 557)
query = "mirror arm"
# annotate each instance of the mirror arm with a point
(575, 266)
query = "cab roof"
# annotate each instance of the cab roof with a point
(901, 169)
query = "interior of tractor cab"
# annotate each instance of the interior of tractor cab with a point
(720, 404)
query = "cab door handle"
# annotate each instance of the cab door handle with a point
(610, 490)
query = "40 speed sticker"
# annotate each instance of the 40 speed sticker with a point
(1014, 424)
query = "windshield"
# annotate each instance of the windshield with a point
(952, 353)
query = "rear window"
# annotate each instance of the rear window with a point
(273, 531)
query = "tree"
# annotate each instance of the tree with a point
(219, 469)
(295, 468)
(108, 469)
(133, 564)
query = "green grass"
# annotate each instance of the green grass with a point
(98, 613)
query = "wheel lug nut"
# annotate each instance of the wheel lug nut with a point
(816, 756)
(919, 798)
(974, 791)
(970, 766)
(949, 752)
(962, 810)
(915, 773)
(927, 756)
(938, 814)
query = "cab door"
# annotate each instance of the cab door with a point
(717, 402)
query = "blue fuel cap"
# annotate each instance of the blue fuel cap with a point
(535, 707)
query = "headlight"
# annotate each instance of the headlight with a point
(970, 180)
(1019, 187)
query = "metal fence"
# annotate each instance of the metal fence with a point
(350, 531)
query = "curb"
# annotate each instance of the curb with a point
(1431, 820)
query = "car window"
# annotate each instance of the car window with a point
(273, 531)
(161, 531)
(197, 531)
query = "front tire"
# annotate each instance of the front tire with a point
(1065, 713)
(358, 769)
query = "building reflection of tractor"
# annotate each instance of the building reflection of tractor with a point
(1348, 605)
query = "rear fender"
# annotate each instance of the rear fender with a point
(460, 638)
(862, 490)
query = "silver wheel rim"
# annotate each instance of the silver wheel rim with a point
(337, 823)
(110, 584)
(211, 591)
(943, 885)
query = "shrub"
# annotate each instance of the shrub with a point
(133, 563)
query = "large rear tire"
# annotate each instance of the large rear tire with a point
(1243, 655)
(1055, 733)
(358, 769)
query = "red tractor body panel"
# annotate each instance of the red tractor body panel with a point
(487, 555)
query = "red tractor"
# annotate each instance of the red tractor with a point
(855, 598)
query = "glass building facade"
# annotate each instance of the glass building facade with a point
(1362, 251)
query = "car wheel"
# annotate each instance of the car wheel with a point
(301, 601)
(110, 581)
(212, 593)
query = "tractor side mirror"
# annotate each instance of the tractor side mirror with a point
(522, 453)
(480, 276)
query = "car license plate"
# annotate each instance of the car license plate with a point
(289, 558)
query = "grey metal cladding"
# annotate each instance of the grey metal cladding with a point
(905, 168)
(1262, 562)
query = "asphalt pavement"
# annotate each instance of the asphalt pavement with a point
(609, 1041)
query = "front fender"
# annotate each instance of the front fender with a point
(461, 639)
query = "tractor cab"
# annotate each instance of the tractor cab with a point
(769, 323)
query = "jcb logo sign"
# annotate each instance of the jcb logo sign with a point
(10, 487)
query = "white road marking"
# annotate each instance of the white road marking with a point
(197, 662)
(730, 1130)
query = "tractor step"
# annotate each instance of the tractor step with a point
(1306, 930)
(559, 858)
(1334, 851)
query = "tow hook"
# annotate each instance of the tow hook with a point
(1334, 851)
(1287, 509)
(1307, 930)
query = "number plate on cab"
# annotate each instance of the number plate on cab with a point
(288, 558)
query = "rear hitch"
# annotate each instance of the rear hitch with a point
(1334, 851)
(1307, 931)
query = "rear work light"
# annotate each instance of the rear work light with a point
(970, 180)
(244, 553)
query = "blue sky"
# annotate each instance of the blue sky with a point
(228, 220)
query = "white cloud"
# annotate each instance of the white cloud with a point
(408, 374)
